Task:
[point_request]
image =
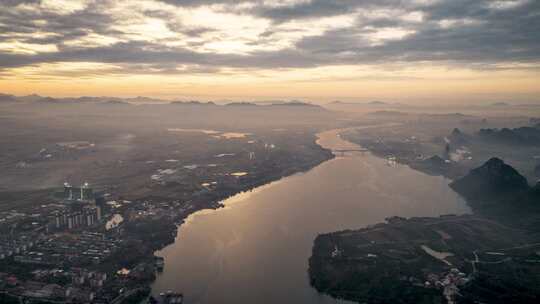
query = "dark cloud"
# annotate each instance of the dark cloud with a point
(480, 36)
(320, 8)
(93, 19)
(487, 36)
(193, 3)
(10, 3)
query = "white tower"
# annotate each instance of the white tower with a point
(83, 187)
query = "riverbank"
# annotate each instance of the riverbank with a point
(212, 201)
(228, 255)
(491, 257)
(147, 236)
(151, 235)
(445, 259)
(150, 222)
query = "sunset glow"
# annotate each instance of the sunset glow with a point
(414, 51)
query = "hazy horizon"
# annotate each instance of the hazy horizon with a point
(139, 99)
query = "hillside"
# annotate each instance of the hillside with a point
(494, 181)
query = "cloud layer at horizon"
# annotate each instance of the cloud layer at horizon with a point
(84, 38)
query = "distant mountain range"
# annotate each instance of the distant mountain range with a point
(507, 104)
(295, 103)
(6, 98)
(83, 99)
(192, 103)
(240, 104)
(377, 103)
(388, 113)
(526, 136)
(369, 103)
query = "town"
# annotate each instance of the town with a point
(73, 249)
(83, 212)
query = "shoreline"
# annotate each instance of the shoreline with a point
(384, 262)
(325, 141)
(217, 204)
(143, 236)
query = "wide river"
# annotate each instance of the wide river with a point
(256, 249)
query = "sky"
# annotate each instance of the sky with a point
(415, 51)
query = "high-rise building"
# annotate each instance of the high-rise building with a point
(82, 193)
(68, 191)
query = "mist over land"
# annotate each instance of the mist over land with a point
(154, 164)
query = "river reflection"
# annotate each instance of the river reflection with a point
(256, 249)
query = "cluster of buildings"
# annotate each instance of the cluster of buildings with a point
(60, 251)
(81, 285)
(30, 238)
(10, 217)
(66, 250)
(80, 208)
(86, 216)
(168, 297)
(59, 267)
(25, 222)
(448, 282)
(11, 245)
